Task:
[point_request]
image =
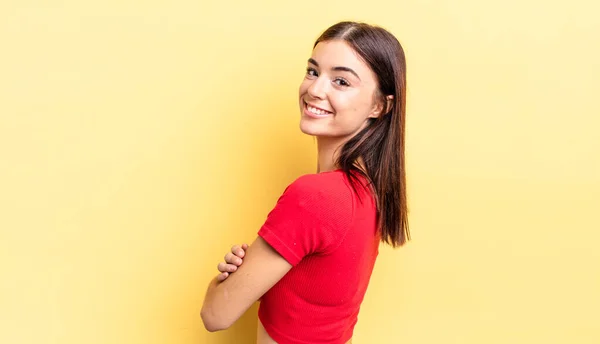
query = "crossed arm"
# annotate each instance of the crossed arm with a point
(226, 301)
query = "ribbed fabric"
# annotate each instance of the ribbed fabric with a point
(320, 226)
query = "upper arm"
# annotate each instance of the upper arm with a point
(311, 217)
(263, 267)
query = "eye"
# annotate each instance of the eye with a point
(341, 82)
(311, 72)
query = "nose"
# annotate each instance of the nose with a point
(318, 88)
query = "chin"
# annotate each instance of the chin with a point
(313, 129)
(307, 128)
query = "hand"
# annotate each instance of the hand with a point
(233, 259)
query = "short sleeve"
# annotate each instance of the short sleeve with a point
(312, 216)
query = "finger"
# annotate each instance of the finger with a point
(230, 258)
(242, 252)
(238, 251)
(223, 267)
(222, 276)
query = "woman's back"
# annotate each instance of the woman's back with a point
(318, 300)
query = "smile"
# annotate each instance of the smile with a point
(315, 111)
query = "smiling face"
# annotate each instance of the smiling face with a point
(338, 93)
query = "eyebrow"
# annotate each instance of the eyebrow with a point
(340, 68)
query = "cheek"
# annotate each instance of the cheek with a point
(363, 106)
(303, 87)
(339, 103)
(352, 111)
(349, 106)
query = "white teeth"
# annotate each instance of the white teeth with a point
(316, 111)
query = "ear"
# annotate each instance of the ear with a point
(382, 107)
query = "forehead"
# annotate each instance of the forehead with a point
(337, 53)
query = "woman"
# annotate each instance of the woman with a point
(312, 260)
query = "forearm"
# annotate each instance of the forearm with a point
(225, 302)
(209, 316)
(221, 308)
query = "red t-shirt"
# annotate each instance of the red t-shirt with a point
(329, 235)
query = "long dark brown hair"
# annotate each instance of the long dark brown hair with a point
(381, 143)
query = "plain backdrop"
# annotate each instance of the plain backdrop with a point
(139, 140)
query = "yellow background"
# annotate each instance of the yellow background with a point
(140, 139)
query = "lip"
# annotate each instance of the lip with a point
(312, 115)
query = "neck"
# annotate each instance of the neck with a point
(328, 151)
